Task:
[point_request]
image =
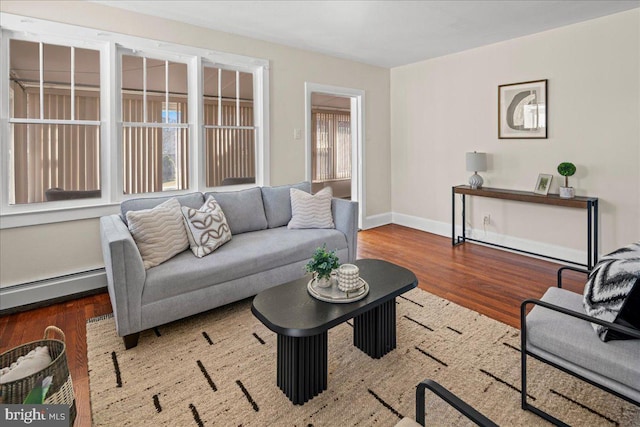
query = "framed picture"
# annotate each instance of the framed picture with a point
(522, 110)
(543, 184)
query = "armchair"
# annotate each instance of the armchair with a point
(451, 399)
(558, 332)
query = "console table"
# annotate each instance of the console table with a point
(588, 203)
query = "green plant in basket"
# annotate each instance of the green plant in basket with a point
(323, 262)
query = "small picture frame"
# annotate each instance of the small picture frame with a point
(522, 110)
(543, 184)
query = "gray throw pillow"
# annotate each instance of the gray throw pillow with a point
(612, 292)
(277, 203)
(159, 233)
(243, 209)
(311, 211)
(207, 227)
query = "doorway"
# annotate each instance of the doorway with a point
(334, 135)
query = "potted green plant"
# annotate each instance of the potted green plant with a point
(567, 169)
(321, 265)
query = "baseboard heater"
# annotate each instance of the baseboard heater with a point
(13, 298)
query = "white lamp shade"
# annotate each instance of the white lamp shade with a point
(476, 162)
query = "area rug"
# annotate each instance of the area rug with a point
(219, 368)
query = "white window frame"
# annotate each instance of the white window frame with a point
(190, 124)
(256, 127)
(111, 168)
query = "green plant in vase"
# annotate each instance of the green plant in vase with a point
(322, 264)
(567, 169)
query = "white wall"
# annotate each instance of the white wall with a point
(51, 255)
(444, 107)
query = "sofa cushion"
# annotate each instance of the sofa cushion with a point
(192, 200)
(311, 211)
(244, 209)
(159, 232)
(207, 227)
(277, 203)
(612, 292)
(244, 255)
(567, 338)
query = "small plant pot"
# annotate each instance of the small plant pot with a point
(567, 192)
(325, 282)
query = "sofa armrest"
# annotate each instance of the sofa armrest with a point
(345, 217)
(125, 273)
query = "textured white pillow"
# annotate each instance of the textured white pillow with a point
(311, 211)
(207, 227)
(35, 361)
(159, 232)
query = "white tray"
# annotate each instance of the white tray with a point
(335, 295)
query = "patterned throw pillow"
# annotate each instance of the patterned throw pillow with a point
(207, 227)
(158, 232)
(612, 292)
(311, 211)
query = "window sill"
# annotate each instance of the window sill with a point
(56, 214)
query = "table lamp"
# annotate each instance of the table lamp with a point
(476, 162)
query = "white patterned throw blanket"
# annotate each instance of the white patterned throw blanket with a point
(613, 288)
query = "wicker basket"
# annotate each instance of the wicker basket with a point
(61, 390)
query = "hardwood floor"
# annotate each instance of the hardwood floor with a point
(487, 280)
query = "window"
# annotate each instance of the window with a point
(55, 122)
(332, 148)
(155, 133)
(96, 118)
(229, 131)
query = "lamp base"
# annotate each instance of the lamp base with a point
(475, 181)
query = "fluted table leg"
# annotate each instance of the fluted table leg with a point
(374, 331)
(302, 366)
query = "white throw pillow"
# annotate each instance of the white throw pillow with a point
(159, 232)
(35, 361)
(207, 227)
(311, 211)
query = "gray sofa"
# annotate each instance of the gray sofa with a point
(262, 253)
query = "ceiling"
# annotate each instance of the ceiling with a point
(383, 33)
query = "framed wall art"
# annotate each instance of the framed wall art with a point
(522, 110)
(543, 184)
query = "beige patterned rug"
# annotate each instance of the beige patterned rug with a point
(219, 368)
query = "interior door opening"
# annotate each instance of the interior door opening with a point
(334, 134)
(331, 144)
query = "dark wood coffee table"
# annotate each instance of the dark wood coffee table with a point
(302, 322)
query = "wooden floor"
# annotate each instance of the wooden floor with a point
(487, 280)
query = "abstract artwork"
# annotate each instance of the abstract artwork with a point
(522, 110)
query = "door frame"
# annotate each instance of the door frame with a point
(357, 138)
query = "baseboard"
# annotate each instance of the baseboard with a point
(428, 225)
(51, 289)
(444, 229)
(377, 220)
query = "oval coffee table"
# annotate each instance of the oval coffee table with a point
(302, 322)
